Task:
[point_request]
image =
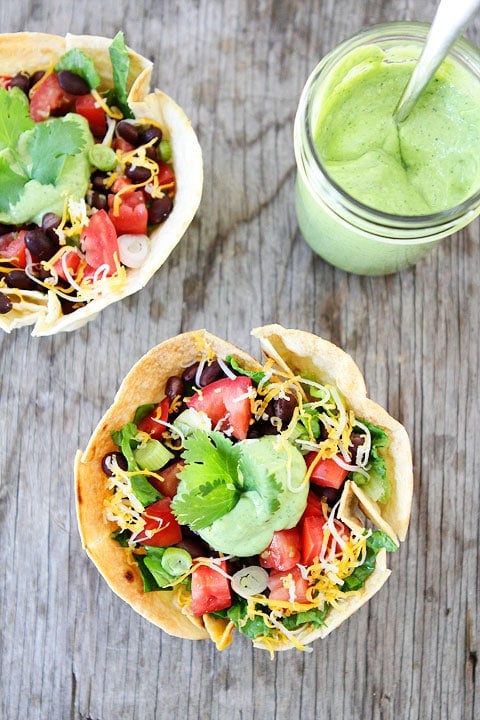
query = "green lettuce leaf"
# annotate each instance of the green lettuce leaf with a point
(377, 540)
(78, 62)
(256, 376)
(120, 67)
(377, 485)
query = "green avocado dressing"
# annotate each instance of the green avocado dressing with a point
(248, 528)
(429, 163)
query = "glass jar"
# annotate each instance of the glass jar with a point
(342, 229)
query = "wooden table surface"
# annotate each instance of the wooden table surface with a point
(69, 647)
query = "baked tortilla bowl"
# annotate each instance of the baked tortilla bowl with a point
(293, 352)
(35, 51)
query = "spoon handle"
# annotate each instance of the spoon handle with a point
(451, 19)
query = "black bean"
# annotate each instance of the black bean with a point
(72, 83)
(22, 81)
(210, 373)
(195, 546)
(356, 441)
(5, 304)
(189, 373)
(98, 181)
(113, 457)
(152, 153)
(329, 494)
(50, 222)
(174, 387)
(19, 279)
(36, 77)
(159, 210)
(98, 201)
(5, 229)
(127, 131)
(148, 134)
(39, 244)
(137, 173)
(283, 408)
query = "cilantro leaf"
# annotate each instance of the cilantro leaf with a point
(78, 62)
(120, 68)
(50, 142)
(208, 486)
(14, 116)
(11, 185)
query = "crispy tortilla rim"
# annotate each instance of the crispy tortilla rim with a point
(34, 51)
(145, 383)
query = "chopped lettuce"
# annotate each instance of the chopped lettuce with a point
(377, 484)
(120, 67)
(255, 375)
(377, 540)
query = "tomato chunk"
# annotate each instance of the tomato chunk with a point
(161, 527)
(132, 214)
(227, 404)
(210, 589)
(99, 242)
(290, 586)
(88, 107)
(71, 260)
(283, 553)
(49, 99)
(166, 175)
(153, 423)
(326, 473)
(312, 539)
(314, 505)
(169, 483)
(13, 248)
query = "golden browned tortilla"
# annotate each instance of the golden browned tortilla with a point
(292, 350)
(37, 51)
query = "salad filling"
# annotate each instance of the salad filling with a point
(234, 490)
(88, 172)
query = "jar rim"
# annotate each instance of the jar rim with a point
(462, 50)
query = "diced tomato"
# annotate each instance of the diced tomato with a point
(13, 248)
(132, 214)
(312, 538)
(314, 506)
(153, 423)
(226, 402)
(283, 553)
(49, 99)
(119, 143)
(210, 589)
(326, 473)
(161, 527)
(5, 80)
(169, 483)
(99, 242)
(72, 260)
(92, 111)
(165, 173)
(289, 586)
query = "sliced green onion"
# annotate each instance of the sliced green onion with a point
(102, 157)
(249, 581)
(165, 150)
(176, 561)
(152, 456)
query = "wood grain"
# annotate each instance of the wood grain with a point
(69, 647)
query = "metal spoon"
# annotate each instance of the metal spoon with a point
(451, 19)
